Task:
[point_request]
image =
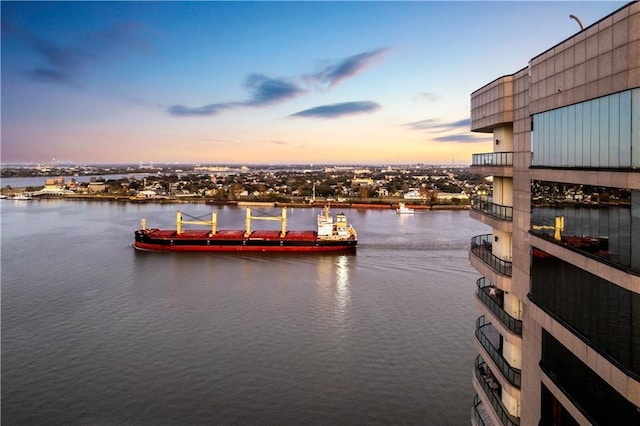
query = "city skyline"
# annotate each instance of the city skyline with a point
(261, 82)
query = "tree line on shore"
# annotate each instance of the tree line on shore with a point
(423, 185)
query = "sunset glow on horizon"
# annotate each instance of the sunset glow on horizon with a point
(262, 82)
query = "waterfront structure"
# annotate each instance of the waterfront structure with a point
(558, 340)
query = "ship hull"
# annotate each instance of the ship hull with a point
(146, 240)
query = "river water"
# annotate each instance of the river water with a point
(97, 333)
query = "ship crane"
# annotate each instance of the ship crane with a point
(558, 227)
(331, 236)
(180, 222)
(282, 218)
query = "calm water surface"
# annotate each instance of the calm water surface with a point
(97, 333)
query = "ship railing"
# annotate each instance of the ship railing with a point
(513, 375)
(483, 293)
(482, 246)
(484, 377)
(486, 205)
(492, 159)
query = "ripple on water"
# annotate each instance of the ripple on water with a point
(94, 332)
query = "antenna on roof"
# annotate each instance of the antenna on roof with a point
(577, 20)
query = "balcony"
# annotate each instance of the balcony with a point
(492, 391)
(487, 206)
(492, 159)
(481, 247)
(493, 164)
(491, 297)
(485, 334)
(479, 415)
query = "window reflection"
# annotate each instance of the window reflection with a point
(592, 134)
(598, 221)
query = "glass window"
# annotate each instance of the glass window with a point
(614, 131)
(603, 140)
(553, 413)
(595, 134)
(571, 136)
(599, 133)
(603, 314)
(635, 127)
(598, 221)
(624, 130)
(595, 398)
(586, 131)
(564, 138)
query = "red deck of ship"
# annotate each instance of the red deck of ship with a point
(232, 235)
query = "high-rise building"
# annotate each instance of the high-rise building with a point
(558, 339)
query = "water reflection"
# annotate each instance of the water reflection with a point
(343, 293)
(597, 220)
(233, 338)
(333, 285)
(21, 203)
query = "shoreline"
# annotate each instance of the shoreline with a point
(360, 204)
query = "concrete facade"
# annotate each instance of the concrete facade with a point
(601, 60)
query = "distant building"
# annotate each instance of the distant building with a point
(147, 194)
(412, 194)
(361, 181)
(382, 192)
(214, 169)
(54, 183)
(448, 196)
(96, 187)
(54, 187)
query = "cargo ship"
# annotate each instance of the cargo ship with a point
(332, 235)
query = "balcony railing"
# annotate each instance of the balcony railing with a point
(484, 376)
(482, 246)
(476, 412)
(485, 205)
(492, 159)
(484, 294)
(513, 375)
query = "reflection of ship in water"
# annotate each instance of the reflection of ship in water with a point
(334, 286)
(589, 244)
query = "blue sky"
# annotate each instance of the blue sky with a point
(262, 82)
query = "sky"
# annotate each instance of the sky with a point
(297, 82)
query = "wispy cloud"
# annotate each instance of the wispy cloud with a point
(210, 109)
(423, 124)
(435, 125)
(266, 91)
(460, 124)
(50, 75)
(462, 138)
(263, 90)
(427, 96)
(62, 63)
(335, 73)
(457, 131)
(338, 110)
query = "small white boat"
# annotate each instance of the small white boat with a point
(22, 197)
(403, 209)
